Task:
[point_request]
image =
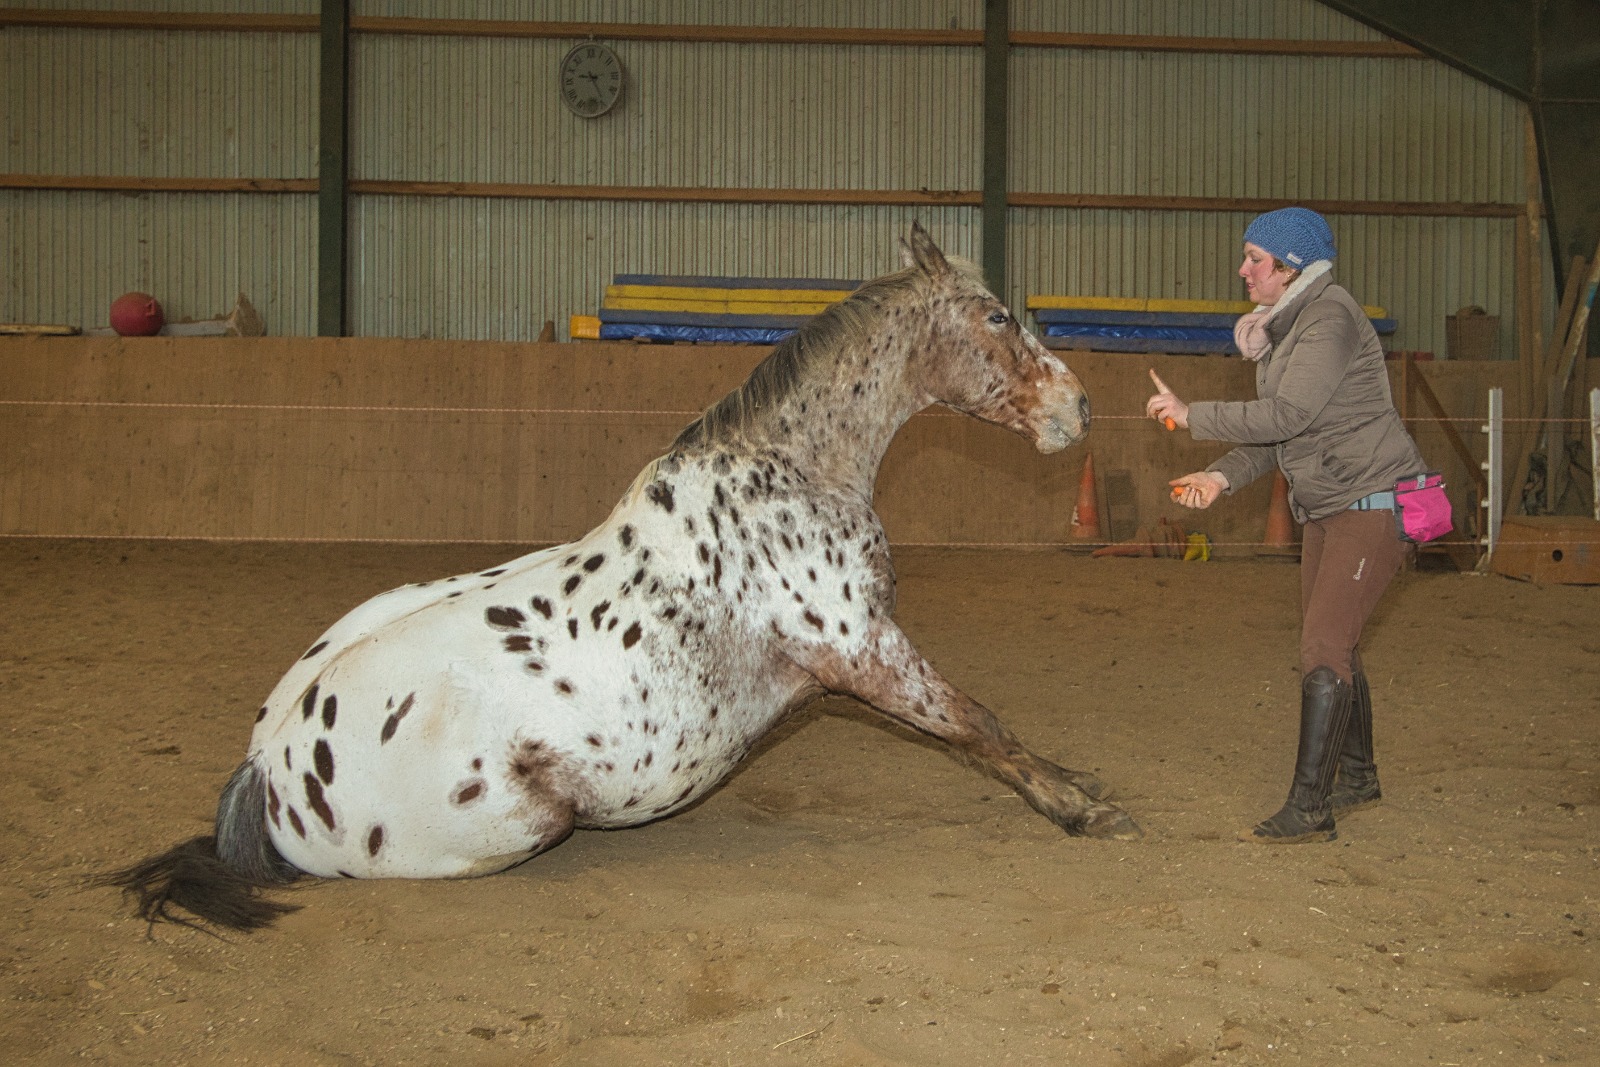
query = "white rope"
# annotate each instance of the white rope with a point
(662, 412)
(258, 539)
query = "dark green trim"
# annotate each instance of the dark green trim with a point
(333, 170)
(996, 142)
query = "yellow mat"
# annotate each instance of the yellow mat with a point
(822, 297)
(715, 307)
(1188, 307)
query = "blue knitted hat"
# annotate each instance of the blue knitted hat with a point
(1296, 235)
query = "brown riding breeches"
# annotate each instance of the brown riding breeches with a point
(1346, 562)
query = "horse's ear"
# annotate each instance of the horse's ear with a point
(920, 251)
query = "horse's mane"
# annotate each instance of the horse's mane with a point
(849, 322)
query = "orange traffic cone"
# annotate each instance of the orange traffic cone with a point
(1086, 512)
(1279, 539)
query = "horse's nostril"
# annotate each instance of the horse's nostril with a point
(1083, 409)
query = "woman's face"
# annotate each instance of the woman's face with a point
(1262, 281)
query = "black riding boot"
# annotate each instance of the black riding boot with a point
(1357, 784)
(1307, 815)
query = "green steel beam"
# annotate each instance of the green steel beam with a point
(996, 100)
(333, 169)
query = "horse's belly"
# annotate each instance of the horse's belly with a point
(452, 730)
(400, 785)
(634, 785)
(466, 802)
(431, 838)
(444, 767)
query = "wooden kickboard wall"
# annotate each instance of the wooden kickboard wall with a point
(336, 439)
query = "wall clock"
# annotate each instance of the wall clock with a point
(590, 80)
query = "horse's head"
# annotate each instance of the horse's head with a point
(981, 361)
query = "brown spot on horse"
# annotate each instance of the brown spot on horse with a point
(317, 802)
(322, 760)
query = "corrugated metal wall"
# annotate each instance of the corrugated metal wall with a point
(734, 116)
(1329, 128)
(157, 104)
(498, 269)
(72, 253)
(1315, 128)
(478, 109)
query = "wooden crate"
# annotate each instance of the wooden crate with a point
(1471, 334)
(1558, 549)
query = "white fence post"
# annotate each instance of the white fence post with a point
(1594, 447)
(1495, 466)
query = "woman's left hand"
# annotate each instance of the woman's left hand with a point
(1166, 405)
(1198, 490)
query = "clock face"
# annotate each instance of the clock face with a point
(590, 80)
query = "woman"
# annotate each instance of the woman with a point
(1325, 418)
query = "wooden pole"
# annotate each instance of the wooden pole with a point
(1530, 265)
(1539, 402)
(1415, 381)
(1405, 386)
(1580, 322)
(1549, 359)
(1462, 549)
(1526, 358)
(1556, 451)
(731, 195)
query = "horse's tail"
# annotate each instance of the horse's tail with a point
(218, 879)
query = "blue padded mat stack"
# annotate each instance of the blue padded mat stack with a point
(1177, 327)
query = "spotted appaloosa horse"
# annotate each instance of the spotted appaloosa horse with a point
(458, 727)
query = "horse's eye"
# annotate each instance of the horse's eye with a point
(999, 318)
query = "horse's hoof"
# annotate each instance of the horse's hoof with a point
(1112, 823)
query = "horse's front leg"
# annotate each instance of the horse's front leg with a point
(892, 676)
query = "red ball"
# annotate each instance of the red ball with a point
(137, 315)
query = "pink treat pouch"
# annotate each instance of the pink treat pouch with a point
(1421, 509)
